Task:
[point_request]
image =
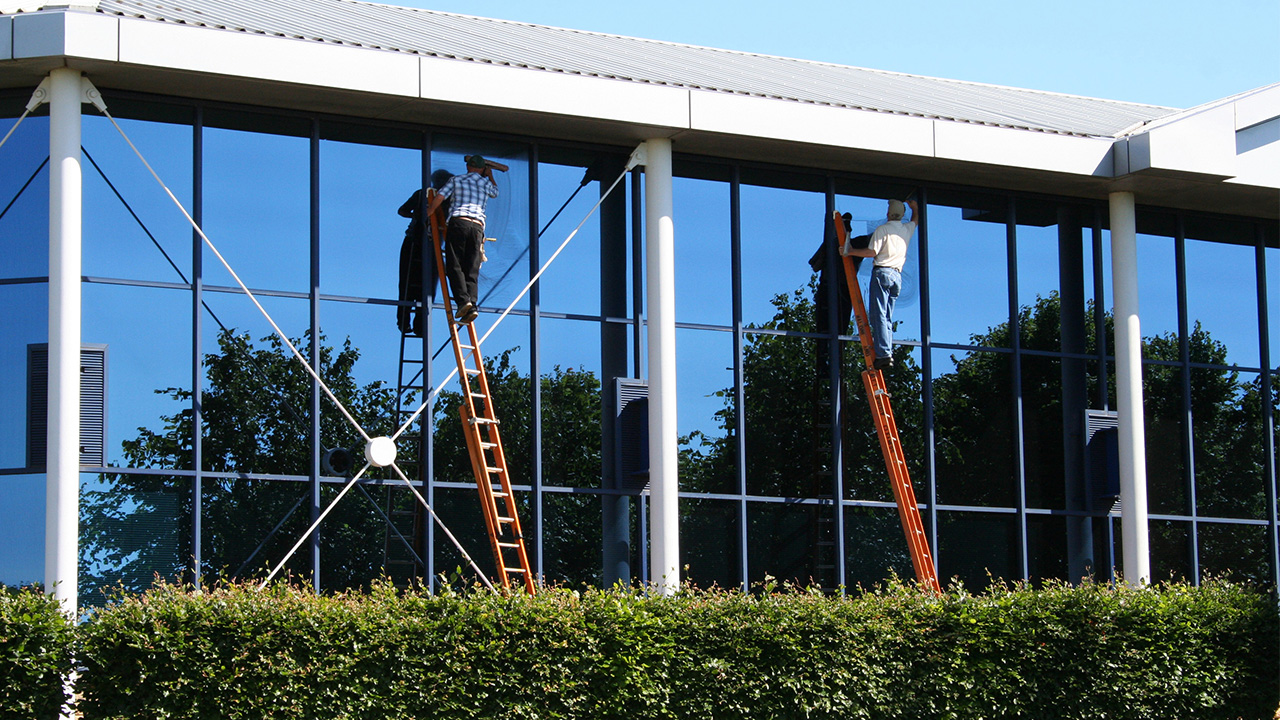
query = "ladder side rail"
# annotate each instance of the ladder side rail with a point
(488, 503)
(887, 429)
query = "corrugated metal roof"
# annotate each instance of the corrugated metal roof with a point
(462, 37)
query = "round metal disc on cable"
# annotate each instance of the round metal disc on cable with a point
(380, 451)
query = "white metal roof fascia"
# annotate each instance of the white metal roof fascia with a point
(216, 52)
(1019, 148)
(55, 33)
(540, 91)
(1258, 106)
(6, 38)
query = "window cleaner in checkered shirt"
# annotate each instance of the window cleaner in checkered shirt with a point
(464, 236)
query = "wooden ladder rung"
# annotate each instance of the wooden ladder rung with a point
(508, 545)
(504, 519)
(514, 570)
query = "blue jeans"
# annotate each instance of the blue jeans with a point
(885, 285)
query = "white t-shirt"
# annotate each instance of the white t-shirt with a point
(889, 242)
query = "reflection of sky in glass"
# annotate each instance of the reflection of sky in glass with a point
(1157, 286)
(704, 273)
(115, 244)
(968, 275)
(257, 208)
(704, 365)
(24, 309)
(25, 226)
(361, 187)
(22, 529)
(781, 229)
(572, 283)
(1222, 292)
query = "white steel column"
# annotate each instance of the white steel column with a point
(664, 484)
(62, 524)
(1133, 457)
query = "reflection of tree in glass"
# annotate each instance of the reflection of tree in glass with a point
(570, 457)
(255, 421)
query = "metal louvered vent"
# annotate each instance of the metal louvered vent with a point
(1102, 458)
(631, 434)
(93, 405)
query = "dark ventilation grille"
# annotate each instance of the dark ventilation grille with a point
(93, 405)
(631, 434)
(1102, 455)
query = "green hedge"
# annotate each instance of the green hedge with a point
(1092, 652)
(35, 654)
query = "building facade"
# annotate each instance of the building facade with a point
(1084, 380)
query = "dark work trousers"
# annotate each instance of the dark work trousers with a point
(462, 262)
(412, 287)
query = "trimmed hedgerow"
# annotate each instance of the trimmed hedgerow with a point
(1059, 652)
(35, 654)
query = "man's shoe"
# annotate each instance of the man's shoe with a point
(464, 309)
(882, 363)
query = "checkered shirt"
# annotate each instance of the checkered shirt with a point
(469, 194)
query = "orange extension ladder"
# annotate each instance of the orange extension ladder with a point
(887, 430)
(484, 442)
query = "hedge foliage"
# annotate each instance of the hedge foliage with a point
(1058, 652)
(35, 654)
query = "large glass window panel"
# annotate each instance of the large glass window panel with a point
(977, 547)
(133, 528)
(783, 542)
(361, 188)
(22, 509)
(132, 229)
(459, 510)
(1047, 548)
(710, 542)
(865, 475)
(147, 332)
(1237, 551)
(1222, 298)
(874, 546)
(257, 207)
(968, 270)
(1042, 431)
(1165, 425)
(867, 215)
(781, 230)
(506, 269)
(703, 267)
(705, 418)
(1230, 443)
(571, 387)
(256, 392)
(571, 284)
(247, 526)
(1157, 290)
(572, 554)
(973, 427)
(26, 311)
(24, 200)
(1170, 543)
(784, 417)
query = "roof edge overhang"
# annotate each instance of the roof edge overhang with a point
(203, 64)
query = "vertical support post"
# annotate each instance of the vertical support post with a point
(661, 292)
(739, 384)
(62, 522)
(535, 368)
(1075, 392)
(1133, 460)
(615, 509)
(197, 347)
(315, 352)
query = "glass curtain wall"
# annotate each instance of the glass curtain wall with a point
(221, 449)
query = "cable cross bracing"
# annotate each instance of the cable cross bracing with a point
(92, 95)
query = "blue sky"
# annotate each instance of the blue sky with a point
(1178, 53)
